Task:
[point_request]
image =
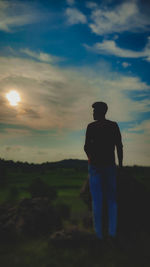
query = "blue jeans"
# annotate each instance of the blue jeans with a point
(102, 180)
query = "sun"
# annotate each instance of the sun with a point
(13, 98)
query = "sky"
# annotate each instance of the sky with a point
(60, 57)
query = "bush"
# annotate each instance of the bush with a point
(39, 188)
(31, 217)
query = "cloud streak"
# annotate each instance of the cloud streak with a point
(141, 127)
(109, 47)
(43, 57)
(14, 14)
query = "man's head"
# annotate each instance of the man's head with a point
(99, 110)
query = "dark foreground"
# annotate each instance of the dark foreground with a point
(46, 222)
(43, 252)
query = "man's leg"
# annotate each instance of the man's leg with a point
(95, 182)
(112, 200)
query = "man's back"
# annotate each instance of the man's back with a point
(101, 138)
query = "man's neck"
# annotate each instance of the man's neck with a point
(101, 119)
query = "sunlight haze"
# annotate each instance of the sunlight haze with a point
(13, 98)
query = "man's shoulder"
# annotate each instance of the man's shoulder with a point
(91, 124)
(111, 123)
(106, 122)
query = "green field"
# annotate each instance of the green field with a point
(67, 182)
(39, 252)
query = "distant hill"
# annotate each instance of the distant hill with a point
(67, 163)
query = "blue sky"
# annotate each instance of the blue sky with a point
(60, 57)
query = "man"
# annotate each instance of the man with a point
(102, 136)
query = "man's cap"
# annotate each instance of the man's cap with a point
(101, 106)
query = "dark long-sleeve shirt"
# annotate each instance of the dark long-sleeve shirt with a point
(100, 142)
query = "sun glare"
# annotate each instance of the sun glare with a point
(13, 98)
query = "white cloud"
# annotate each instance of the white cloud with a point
(70, 2)
(75, 16)
(109, 47)
(126, 64)
(14, 14)
(44, 57)
(123, 17)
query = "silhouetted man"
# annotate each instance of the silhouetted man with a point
(102, 136)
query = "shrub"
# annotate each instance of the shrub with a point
(38, 188)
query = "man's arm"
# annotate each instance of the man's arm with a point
(87, 146)
(120, 155)
(119, 146)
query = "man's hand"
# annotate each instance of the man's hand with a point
(89, 161)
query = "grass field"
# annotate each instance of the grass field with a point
(39, 252)
(67, 182)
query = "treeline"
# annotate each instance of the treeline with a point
(32, 167)
(67, 164)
